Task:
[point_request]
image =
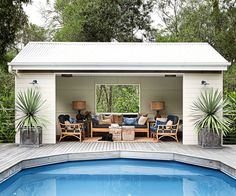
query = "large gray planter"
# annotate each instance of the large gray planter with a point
(31, 136)
(209, 139)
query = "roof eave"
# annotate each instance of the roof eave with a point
(183, 66)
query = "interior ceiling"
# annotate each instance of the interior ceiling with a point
(121, 74)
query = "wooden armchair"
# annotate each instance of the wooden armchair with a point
(70, 129)
(168, 130)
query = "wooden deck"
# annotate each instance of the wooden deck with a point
(14, 158)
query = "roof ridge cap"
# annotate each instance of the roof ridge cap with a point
(119, 43)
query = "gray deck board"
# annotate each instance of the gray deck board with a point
(11, 154)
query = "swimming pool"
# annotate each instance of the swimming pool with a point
(119, 177)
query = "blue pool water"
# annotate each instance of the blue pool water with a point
(119, 177)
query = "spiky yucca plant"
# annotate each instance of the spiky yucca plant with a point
(29, 103)
(207, 112)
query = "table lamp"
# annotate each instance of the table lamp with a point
(158, 106)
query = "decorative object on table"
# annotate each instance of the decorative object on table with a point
(128, 133)
(79, 105)
(29, 103)
(158, 106)
(70, 129)
(113, 125)
(87, 116)
(116, 132)
(210, 122)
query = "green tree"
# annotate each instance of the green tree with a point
(104, 20)
(31, 32)
(117, 98)
(12, 19)
(7, 97)
(211, 21)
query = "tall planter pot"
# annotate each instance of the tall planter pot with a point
(31, 136)
(209, 139)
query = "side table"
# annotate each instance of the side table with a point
(128, 133)
(116, 133)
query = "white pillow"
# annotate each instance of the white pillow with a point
(162, 119)
(107, 117)
(104, 122)
(142, 120)
(168, 124)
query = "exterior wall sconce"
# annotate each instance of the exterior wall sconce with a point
(203, 82)
(34, 82)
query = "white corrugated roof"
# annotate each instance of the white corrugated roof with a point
(118, 56)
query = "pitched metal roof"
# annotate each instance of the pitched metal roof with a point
(118, 56)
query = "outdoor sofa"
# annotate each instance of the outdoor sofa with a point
(122, 121)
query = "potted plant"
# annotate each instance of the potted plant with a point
(29, 103)
(210, 121)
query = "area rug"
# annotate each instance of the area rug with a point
(137, 139)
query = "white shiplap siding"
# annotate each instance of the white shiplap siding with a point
(46, 85)
(191, 90)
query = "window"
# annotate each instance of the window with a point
(117, 98)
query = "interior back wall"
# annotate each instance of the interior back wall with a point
(74, 88)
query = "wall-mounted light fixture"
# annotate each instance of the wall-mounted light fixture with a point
(203, 82)
(34, 82)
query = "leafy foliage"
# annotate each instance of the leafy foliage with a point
(7, 115)
(104, 20)
(230, 79)
(12, 19)
(207, 112)
(31, 32)
(211, 21)
(117, 98)
(230, 138)
(7, 125)
(29, 103)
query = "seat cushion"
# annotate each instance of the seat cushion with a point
(159, 123)
(101, 126)
(73, 131)
(140, 126)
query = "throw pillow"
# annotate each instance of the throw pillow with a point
(105, 122)
(73, 120)
(100, 117)
(162, 119)
(108, 117)
(168, 124)
(117, 119)
(142, 120)
(68, 127)
(130, 121)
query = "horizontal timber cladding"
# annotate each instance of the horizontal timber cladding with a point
(192, 88)
(46, 85)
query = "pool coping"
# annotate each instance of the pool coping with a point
(79, 156)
